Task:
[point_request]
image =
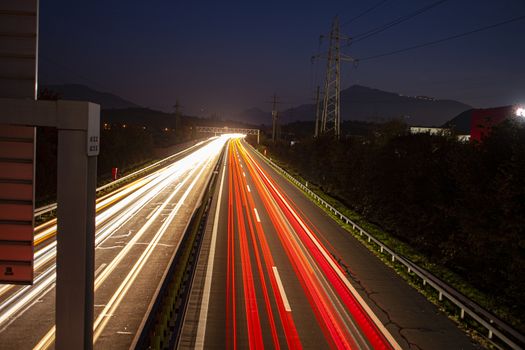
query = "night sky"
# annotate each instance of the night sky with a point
(225, 56)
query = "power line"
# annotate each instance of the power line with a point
(395, 22)
(365, 12)
(370, 9)
(452, 37)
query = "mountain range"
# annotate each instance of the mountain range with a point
(79, 92)
(359, 103)
(362, 103)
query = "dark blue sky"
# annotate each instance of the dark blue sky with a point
(225, 56)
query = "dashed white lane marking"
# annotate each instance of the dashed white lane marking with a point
(243, 174)
(257, 214)
(281, 290)
(248, 186)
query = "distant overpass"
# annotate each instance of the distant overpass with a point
(226, 130)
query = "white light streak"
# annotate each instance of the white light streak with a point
(119, 208)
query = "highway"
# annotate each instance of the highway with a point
(138, 228)
(276, 272)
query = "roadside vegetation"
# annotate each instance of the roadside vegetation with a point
(123, 148)
(454, 208)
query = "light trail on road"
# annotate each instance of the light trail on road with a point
(259, 311)
(173, 185)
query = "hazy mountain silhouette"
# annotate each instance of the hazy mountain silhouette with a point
(83, 93)
(362, 103)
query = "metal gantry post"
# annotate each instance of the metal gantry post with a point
(78, 146)
(77, 175)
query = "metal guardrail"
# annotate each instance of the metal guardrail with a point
(494, 326)
(50, 207)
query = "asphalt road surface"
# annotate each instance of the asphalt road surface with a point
(276, 272)
(139, 227)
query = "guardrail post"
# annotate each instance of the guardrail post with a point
(462, 315)
(440, 296)
(393, 258)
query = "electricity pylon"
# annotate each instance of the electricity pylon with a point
(317, 112)
(331, 108)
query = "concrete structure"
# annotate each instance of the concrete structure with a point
(437, 131)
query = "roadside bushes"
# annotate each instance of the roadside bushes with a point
(120, 147)
(460, 204)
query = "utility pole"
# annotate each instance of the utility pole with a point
(331, 109)
(177, 107)
(317, 100)
(178, 123)
(275, 119)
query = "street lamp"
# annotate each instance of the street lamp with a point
(520, 112)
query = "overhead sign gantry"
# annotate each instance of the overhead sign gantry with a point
(227, 130)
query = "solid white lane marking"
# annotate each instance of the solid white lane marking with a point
(281, 290)
(248, 186)
(257, 214)
(152, 212)
(203, 316)
(100, 269)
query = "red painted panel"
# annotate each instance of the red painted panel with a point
(17, 142)
(16, 150)
(16, 191)
(16, 273)
(16, 131)
(483, 120)
(16, 212)
(14, 232)
(16, 171)
(16, 252)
